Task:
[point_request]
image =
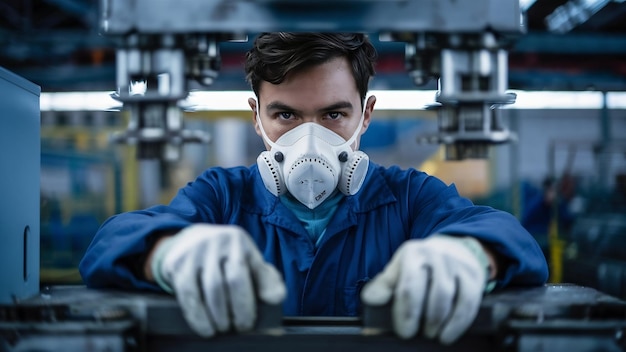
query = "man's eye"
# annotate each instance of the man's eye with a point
(334, 115)
(285, 115)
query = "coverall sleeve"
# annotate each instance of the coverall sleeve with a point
(118, 250)
(438, 208)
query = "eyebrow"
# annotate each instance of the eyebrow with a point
(277, 105)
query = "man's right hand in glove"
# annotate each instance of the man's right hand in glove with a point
(217, 273)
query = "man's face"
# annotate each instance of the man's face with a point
(325, 94)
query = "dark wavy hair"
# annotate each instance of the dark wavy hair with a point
(274, 55)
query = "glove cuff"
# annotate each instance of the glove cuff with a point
(157, 261)
(474, 246)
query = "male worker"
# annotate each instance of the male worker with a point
(314, 224)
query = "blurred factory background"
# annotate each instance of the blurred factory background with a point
(564, 177)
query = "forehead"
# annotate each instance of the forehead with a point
(313, 87)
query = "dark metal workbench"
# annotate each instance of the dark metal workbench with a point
(550, 318)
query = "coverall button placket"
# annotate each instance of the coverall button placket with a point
(343, 219)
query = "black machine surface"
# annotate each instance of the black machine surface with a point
(549, 318)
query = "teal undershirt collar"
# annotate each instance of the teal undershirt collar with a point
(313, 220)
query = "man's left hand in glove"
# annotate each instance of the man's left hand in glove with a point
(438, 282)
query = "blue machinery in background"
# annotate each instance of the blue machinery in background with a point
(73, 207)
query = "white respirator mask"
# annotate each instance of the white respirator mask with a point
(311, 161)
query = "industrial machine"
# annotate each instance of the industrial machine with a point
(550, 318)
(164, 46)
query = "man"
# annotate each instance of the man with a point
(314, 224)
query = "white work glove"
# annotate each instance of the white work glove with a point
(438, 281)
(216, 273)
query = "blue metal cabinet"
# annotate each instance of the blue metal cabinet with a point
(19, 187)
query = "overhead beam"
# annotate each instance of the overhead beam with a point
(573, 43)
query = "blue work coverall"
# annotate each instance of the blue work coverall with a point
(394, 205)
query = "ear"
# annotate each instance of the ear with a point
(369, 110)
(253, 105)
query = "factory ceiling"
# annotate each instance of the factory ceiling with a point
(569, 45)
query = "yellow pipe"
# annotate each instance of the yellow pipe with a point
(556, 246)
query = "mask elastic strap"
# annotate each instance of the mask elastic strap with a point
(258, 118)
(358, 129)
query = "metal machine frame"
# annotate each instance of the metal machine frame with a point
(166, 44)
